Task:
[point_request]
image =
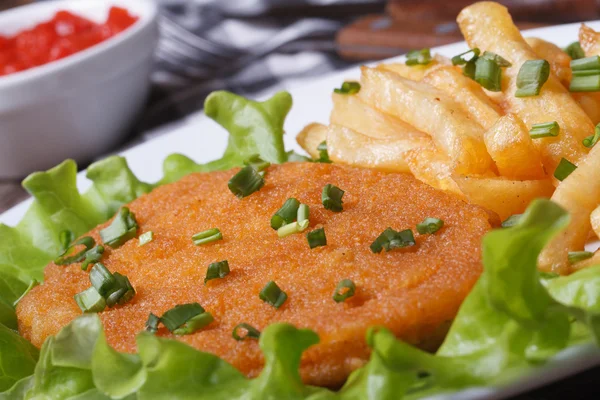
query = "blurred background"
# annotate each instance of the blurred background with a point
(249, 46)
(253, 46)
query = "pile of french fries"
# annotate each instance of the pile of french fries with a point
(449, 132)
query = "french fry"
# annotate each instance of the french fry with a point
(511, 148)
(466, 92)
(595, 221)
(504, 196)
(433, 167)
(590, 103)
(352, 112)
(488, 26)
(431, 111)
(590, 262)
(560, 62)
(310, 137)
(589, 40)
(579, 194)
(350, 147)
(414, 72)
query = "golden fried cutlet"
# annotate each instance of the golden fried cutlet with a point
(414, 291)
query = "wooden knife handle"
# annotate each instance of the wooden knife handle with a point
(6, 4)
(380, 36)
(559, 11)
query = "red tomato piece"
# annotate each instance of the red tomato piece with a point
(119, 19)
(65, 34)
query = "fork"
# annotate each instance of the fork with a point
(198, 57)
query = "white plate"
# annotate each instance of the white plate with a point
(203, 140)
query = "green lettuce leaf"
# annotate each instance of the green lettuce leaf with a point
(254, 128)
(18, 358)
(8, 317)
(19, 390)
(79, 364)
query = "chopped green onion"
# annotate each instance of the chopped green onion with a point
(180, 314)
(532, 76)
(564, 169)
(469, 68)
(286, 214)
(512, 220)
(32, 284)
(291, 210)
(344, 290)
(499, 60)
(576, 256)
(585, 83)
(146, 238)
(273, 295)
(251, 332)
(115, 288)
(332, 198)
(92, 256)
(90, 301)
(316, 238)
(102, 279)
(123, 228)
(460, 59)
(257, 163)
(112, 288)
(575, 51)
(290, 229)
(152, 323)
(591, 141)
(247, 181)
(586, 72)
(548, 275)
(217, 270)
(418, 57)
(207, 236)
(585, 64)
(194, 324)
(543, 130)
(68, 257)
(430, 225)
(488, 74)
(323, 154)
(303, 214)
(66, 238)
(122, 293)
(348, 88)
(486, 70)
(391, 239)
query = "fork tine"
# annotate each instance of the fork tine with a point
(216, 49)
(174, 64)
(298, 30)
(194, 55)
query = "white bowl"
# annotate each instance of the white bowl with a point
(80, 106)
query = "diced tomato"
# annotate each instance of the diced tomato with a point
(119, 19)
(65, 34)
(67, 23)
(4, 42)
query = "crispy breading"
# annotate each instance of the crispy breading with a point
(414, 292)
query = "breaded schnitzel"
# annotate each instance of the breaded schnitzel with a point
(414, 291)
